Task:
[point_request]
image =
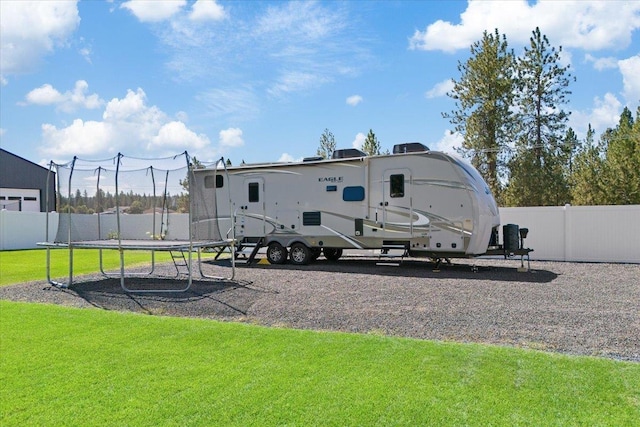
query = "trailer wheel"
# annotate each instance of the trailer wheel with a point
(332, 254)
(300, 254)
(276, 253)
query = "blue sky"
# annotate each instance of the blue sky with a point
(260, 81)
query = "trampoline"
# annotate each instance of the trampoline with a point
(133, 204)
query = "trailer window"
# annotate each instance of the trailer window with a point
(396, 183)
(353, 194)
(209, 183)
(254, 192)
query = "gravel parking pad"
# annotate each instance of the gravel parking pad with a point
(575, 308)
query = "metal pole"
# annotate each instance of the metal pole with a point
(118, 223)
(191, 185)
(153, 223)
(47, 225)
(73, 164)
(99, 207)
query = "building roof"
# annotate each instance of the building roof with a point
(5, 152)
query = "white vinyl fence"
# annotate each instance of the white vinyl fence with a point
(568, 233)
(22, 230)
(580, 233)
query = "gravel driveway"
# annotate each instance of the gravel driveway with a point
(575, 308)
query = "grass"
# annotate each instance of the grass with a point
(27, 265)
(67, 366)
(64, 366)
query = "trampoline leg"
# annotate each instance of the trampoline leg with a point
(49, 265)
(233, 267)
(70, 265)
(50, 280)
(189, 268)
(122, 269)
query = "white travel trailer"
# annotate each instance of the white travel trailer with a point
(426, 203)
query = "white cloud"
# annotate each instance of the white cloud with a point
(440, 89)
(296, 81)
(153, 11)
(449, 142)
(176, 135)
(128, 125)
(309, 20)
(604, 114)
(231, 137)
(131, 106)
(286, 157)
(207, 10)
(238, 104)
(79, 139)
(68, 101)
(358, 141)
(590, 25)
(85, 52)
(354, 100)
(630, 69)
(299, 46)
(44, 95)
(601, 63)
(31, 30)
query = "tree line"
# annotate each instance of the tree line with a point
(132, 203)
(512, 114)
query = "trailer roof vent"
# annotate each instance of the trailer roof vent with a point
(347, 153)
(409, 147)
(313, 159)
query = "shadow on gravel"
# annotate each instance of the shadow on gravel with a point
(203, 299)
(419, 268)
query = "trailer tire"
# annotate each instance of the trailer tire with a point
(276, 253)
(332, 254)
(300, 254)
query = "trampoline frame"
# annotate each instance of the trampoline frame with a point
(122, 245)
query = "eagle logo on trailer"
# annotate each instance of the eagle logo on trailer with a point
(330, 179)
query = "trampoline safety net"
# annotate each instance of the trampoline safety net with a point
(133, 203)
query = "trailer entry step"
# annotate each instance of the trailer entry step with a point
(395, 251)
(247, 251)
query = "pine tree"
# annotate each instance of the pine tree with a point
(586, 176)
(327, 144)
(569, 149)
(537, 177)
(622, 165)
(483, 97)
(371, 145)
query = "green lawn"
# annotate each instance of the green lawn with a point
(28, 265)
(66, 366)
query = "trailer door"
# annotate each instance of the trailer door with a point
(250, 213)
(397, 209)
